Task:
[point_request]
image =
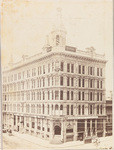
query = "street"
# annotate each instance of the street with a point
(25, 141)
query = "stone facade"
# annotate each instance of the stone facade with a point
(59, 93)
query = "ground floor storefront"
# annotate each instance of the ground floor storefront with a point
(56, 129)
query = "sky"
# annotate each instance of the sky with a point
(25, 24)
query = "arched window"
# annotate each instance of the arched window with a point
(79, 109)
(97, 109)
(52, 107)
(83, 110)
(61, 107)
(56, 107)
(71, 109)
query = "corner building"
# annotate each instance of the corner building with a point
(58, 94)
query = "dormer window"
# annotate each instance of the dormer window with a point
(57, 39)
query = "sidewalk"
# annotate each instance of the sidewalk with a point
(45, 143)
(38, 143)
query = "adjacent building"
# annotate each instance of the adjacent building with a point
(57, 94)
(109, 115)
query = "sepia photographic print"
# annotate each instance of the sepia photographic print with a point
(56, 74)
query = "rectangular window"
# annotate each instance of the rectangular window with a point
(97, 84)
(48, 81)
(71, 109)
(91, 83)
(56, 95)
(79, 69)
(52, 81)
(62, 66)
(68, 81)
(52, 66)
(69, 130)
(79, 82)
(101, 96)
(48, 68)
(67, 95)
(101, 84)
(79, 95)
(43, 69)
(43, 96)
(72, 68)
(72, 95)
(90, 70)
(48, 95)
(101, 72)
(97, 71)
(82, 95)
(61, 95)
(97, 96)
(83, 69)
(61, 80)
(40, 70)
(43, 82)
(68, 67)
(90, 96)
(72, 81)
(83, 82)
(67, 109)
(52, 95)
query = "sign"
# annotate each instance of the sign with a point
(69, 48)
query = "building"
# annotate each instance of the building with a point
(57, 94)
(109, 115)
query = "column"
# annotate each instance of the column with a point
(51, 130)
(75, 130)
(25, 124)
(62, 131)
(86, 128)
(36, 125)
(104, 127)
(96, 127)
(91, 133)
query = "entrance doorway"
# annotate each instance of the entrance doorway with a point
(80, 136)
(57, 130)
